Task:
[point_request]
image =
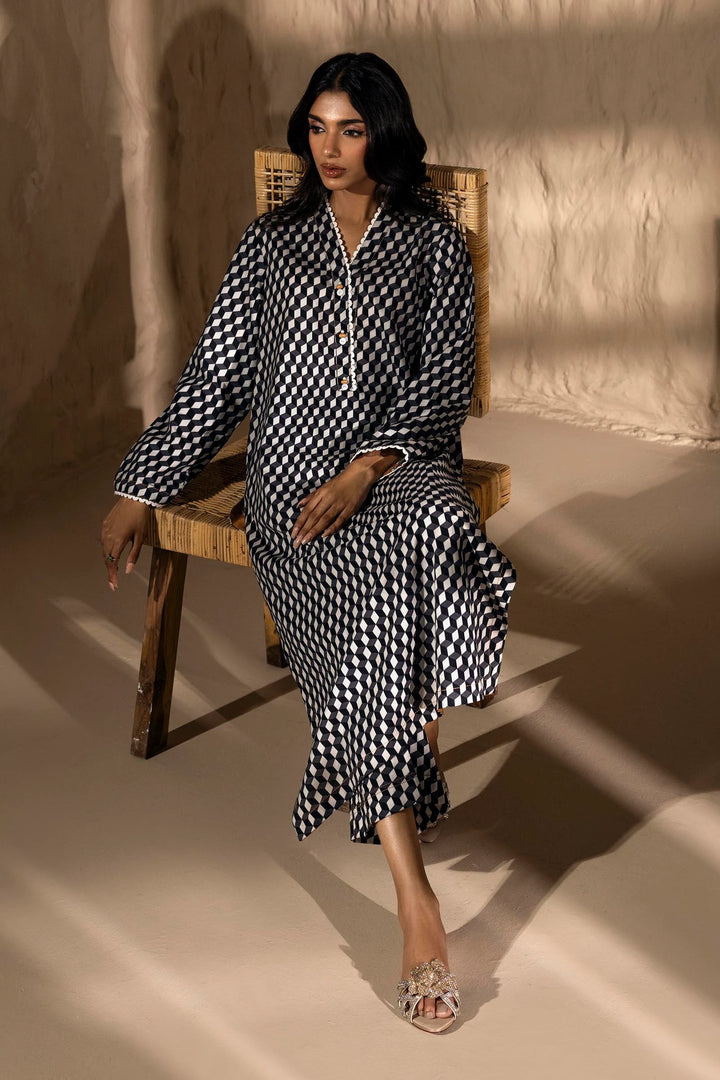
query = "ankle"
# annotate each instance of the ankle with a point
(419, 904)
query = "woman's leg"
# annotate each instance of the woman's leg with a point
(432, 731)
(418, 908)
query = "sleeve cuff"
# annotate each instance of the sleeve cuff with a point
(127, 495)
(385, 446)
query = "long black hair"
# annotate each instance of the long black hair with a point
(395, 148)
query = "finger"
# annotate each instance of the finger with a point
(317, 521)
(134, 552)
(107, 544)
(308, 517)
(111, 564)
(300, 521)
(340, 520)
(112, 550)
(319, 493)
(310, 495)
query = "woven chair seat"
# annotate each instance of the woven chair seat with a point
(198, 522)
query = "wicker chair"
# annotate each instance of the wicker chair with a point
(204, 519)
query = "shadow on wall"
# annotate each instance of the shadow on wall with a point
(213, 104)
(602, 146)
(591, 315)
(67, 377)
(715, 400)
(67, 395)
(66, 330)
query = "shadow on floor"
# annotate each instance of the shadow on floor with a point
(630, 726)
(630, 583)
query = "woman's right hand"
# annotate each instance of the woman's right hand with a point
(126, 524)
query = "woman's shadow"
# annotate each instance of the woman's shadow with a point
(644, 622)
(211, 109)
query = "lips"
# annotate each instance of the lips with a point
(332, 170)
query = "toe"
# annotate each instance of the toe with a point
(441, 1009)
(429, 1006)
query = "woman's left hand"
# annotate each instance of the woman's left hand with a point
(330, 506)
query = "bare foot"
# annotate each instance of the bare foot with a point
(424, 939)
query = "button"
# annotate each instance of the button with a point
(342, 335)
(343, 380)
(339, 286)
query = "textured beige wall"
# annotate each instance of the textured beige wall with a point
(126, 178)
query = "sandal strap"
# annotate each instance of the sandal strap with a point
(429, 979)
(407, 1003)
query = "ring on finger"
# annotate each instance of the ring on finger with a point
(110, 558)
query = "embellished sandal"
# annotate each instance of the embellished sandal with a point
(429, 979)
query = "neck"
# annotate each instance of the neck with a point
(353, 207)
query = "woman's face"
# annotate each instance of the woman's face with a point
(338, 139)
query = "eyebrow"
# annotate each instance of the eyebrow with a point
(355, 120)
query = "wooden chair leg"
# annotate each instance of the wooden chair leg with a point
(159, 652)
(273, 649)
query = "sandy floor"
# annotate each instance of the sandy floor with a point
(162, 922)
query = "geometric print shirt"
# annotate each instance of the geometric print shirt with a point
(332, 357)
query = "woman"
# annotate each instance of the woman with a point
(345, 324)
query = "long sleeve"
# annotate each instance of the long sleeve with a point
(214, 392)
(426, 415)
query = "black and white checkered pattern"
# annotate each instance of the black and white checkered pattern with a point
(404, 609)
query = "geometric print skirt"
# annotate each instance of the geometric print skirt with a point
(399, 613)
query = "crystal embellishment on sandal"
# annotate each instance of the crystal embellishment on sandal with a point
(429, 979)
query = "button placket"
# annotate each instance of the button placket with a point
(341, 340)
(347, 288)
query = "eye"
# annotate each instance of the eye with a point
(314, 128)
(353, 131)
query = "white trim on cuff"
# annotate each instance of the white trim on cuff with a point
(385, 446)
(125, 495)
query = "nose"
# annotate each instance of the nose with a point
(330, 146)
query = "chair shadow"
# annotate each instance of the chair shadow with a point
(206, 124)
(231, 711)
